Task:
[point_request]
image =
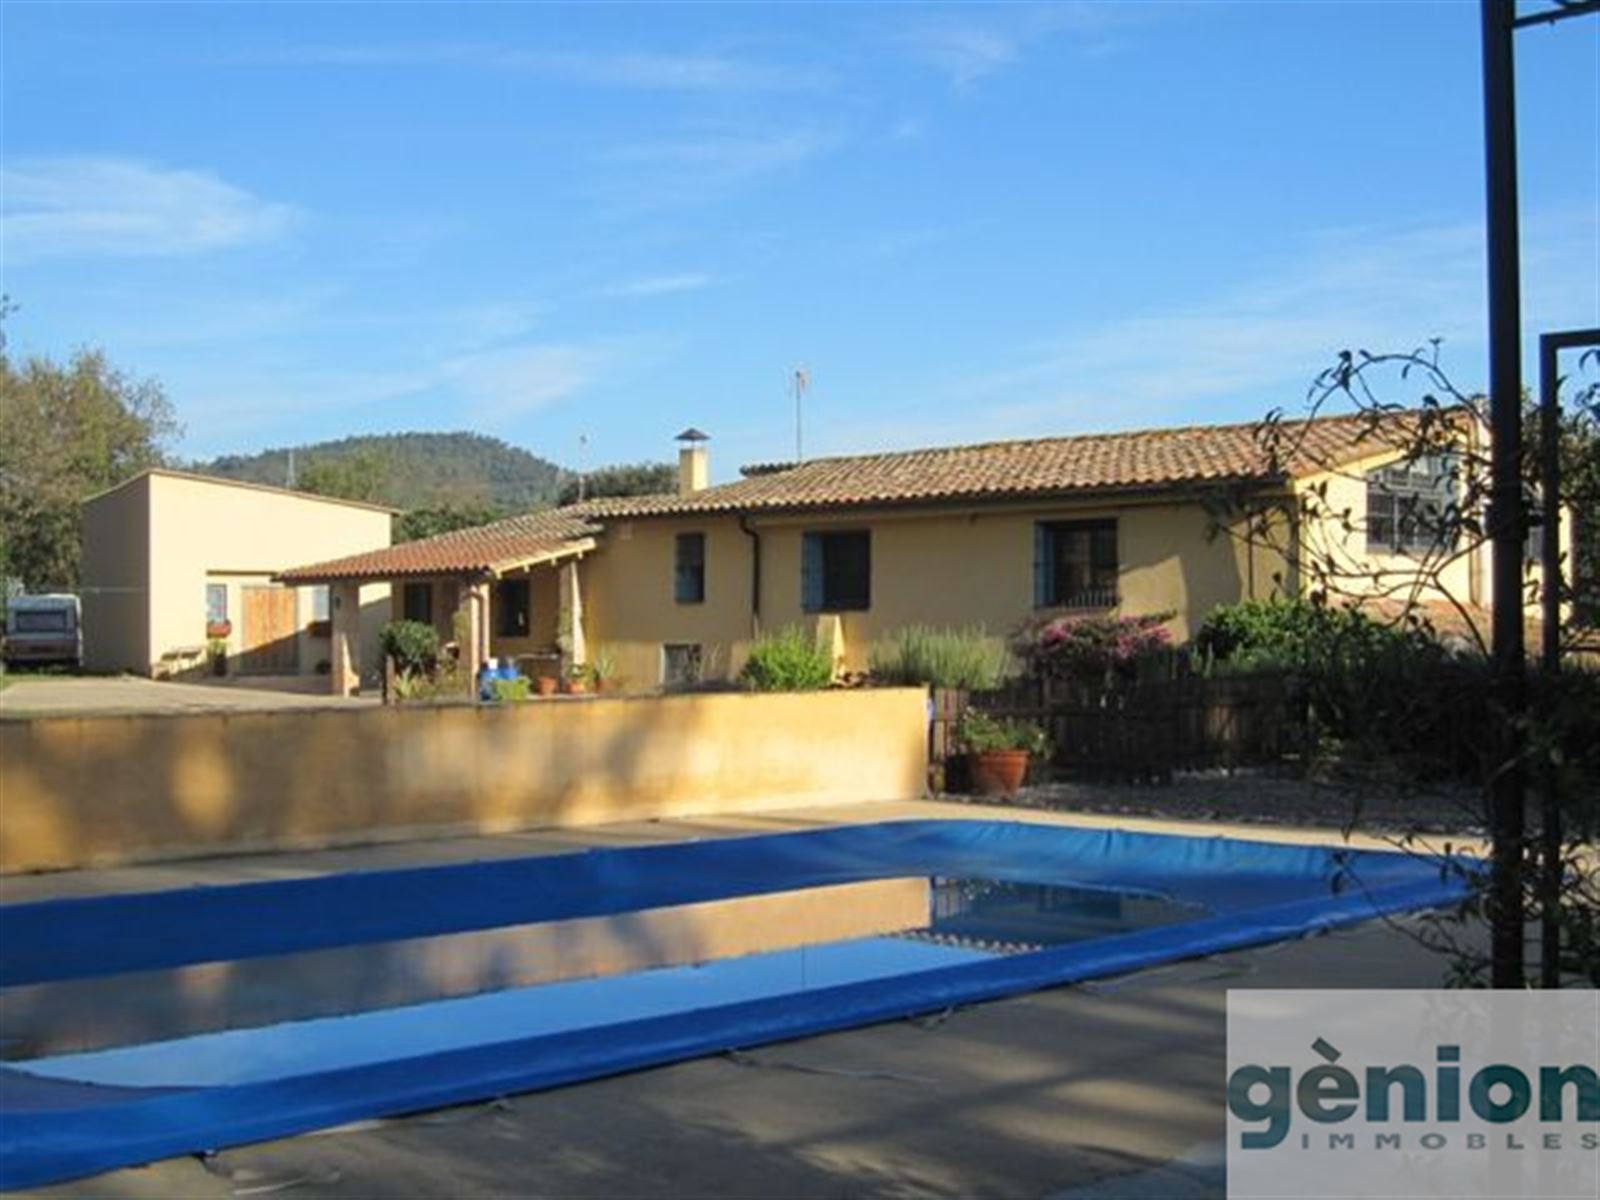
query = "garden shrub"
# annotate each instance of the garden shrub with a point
(509, 691)
(1091, 649)
(1395, 688)
(413, 646)
(787, 661)
(941, 658)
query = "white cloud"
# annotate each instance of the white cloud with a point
(966, 53)
(645, 70)
(1244, 349)
(60, 207)
(979, 41)
(498, 385)
(659, 285)
(725, 155)
(702, 165)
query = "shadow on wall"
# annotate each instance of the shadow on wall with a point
(98, 790)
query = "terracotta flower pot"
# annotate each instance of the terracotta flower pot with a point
(998, 772)
(546, 685)
(577, 687)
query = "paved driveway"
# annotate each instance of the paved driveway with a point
(52, 696)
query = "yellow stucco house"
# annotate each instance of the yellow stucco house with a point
(676, 586)
(169, 555)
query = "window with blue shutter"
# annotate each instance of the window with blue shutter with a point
(811, 572)
(689, 571)
(836, 571)
(1044, 567)
(1075, 564)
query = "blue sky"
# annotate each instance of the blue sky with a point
(552, 222)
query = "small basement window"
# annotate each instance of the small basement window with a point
(682, 664)
(836, 571)
(512, 608)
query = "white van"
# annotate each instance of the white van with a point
(43, 629)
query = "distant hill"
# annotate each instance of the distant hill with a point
(418, 469)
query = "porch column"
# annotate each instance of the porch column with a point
(344, 605)
(569, 635)
(473, 599)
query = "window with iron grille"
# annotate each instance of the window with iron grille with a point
(836, 571)
(689, 569)
(1075, 564)
(1412, 506)
(512, 608)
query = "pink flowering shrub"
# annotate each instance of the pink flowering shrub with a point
(1091, 649)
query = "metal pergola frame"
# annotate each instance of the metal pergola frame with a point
(1507, 506)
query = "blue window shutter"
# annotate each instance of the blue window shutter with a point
(811, 572)
(1044, 565)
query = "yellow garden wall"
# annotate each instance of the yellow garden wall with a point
(100, 790)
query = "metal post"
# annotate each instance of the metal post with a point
(1549, 660)
(1506, 516)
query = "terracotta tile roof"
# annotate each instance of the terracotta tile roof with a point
(482, 550)
(1037, 467)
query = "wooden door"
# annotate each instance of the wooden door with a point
(271, 642)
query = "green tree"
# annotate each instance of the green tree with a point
(442, 518)
(624, 479)
(68, 431)
(361, 475)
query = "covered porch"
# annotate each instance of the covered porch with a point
(508, 591)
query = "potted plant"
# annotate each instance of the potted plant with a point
(546, 685)
(998, 750)
(219, 656)
(579, 677)
(603, 669)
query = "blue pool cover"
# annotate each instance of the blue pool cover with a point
(54, 1126)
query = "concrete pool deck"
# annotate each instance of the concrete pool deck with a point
(1102, 1090)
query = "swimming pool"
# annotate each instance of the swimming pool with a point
(140, 1026)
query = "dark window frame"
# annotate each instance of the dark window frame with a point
(513, 607)
(415, 612)
(1073, 573)
(836, 570)
(689, 568)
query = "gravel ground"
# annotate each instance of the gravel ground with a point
(1371, 806)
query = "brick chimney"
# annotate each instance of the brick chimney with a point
(694, 461)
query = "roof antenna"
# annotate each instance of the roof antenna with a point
(583, 464)
(802, 382)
